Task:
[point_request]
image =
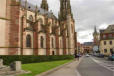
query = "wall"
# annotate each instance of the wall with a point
(3, 8)
(2, 32)
(3, 27)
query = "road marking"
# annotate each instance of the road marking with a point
(104, 64)
(77, 73)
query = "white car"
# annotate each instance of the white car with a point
(87, 55)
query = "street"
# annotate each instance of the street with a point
(91, 66)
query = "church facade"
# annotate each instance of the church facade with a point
(30, 30)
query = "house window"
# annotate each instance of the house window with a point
(28, 41)
(104, 42)
(111, 51)
(110, 42)
(105, 50)
(42, 42)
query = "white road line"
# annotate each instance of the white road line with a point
(77, 73)
(102, 64)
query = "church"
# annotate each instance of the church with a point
(27, 29)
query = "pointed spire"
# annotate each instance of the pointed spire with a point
(44, 5)
(36, 8)
(26, 4)
(95, 30)
(26, 8)
(65, 9)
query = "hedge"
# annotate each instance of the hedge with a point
(33, 59)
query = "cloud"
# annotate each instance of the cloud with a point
(90, 13)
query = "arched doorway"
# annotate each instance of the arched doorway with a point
(53, 52)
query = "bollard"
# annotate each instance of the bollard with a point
(16, 66)
(1, 62)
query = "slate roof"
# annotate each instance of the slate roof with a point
(41, 11)
(110, 29)
(88, 43)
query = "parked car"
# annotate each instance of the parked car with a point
(101, 56)
(111, 57)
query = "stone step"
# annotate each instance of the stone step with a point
(3, 73)
(12, 73)
(5, 69)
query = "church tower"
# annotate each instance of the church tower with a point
(44, 5)
(96, 36)
(66, 20)
(65, 9)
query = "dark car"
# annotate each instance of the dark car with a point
(101, 56)
(111, 57)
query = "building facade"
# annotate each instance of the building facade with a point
(80, 48)
(30, 30)
(107, 40)
(88, 47)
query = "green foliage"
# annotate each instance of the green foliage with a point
(33, 59)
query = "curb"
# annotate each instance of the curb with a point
(61, 66)
(52, 70)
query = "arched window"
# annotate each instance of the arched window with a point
(28, 41)
(42, 42)
(31, 18)
(52, 43)
(41, 21)
(60, 43)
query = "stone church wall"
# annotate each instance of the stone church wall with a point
(3, 8)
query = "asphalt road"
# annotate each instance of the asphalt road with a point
(91, 66)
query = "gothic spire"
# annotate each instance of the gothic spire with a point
(44, 5)
(95, 30)
(65, 9)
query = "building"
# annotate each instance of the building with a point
(96, 40)
(88, 47)
(31, 30)
(80, 48)
(76, 42)
(107, 40)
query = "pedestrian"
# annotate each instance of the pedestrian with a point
(75, 56)
(78, 57)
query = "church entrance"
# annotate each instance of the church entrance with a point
(53, 53)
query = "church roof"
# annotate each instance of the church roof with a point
(41, 11)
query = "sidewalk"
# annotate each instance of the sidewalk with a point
(66, 70)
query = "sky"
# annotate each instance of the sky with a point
(87, 15)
